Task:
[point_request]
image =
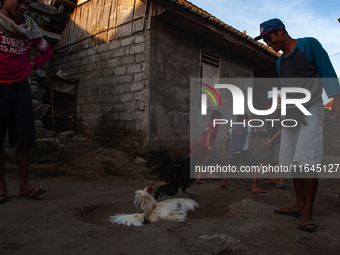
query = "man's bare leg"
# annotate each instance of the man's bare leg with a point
(254, 187)
(299, 186)
(23, 157)
(310, 189)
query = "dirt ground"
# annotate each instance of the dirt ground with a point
(92, 181)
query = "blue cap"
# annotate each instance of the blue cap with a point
(269, 26)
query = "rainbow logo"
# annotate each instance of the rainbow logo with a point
(209, 93)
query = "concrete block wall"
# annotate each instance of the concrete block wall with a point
(112, 87)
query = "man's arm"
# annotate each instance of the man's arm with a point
(335, 108)
(277, 134)
(227, 143)
(44, 55)
(208, 142)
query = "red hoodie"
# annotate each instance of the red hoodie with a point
(15, 56)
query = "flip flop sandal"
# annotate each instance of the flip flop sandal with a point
(305, 225)
(281, 186)
(223, 186)
(261, 191)
(38, 193)
(270, 183)
(295, 214)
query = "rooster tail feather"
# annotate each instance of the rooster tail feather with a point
(175, 216)
(186, 204)
(136, 219)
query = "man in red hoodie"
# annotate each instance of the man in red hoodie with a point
(18, 33)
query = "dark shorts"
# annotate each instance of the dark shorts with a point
(244, 156)
(214, 158)
(16, 115)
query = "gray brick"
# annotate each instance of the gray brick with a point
(118, 53)
(84, 61)
(139, 77)
(105, 56)
(93, 99)
(139, 115)
(139, 96)
(137, 86)
(91, 51)
(85, 83)
(141, 106)
(127, 51)
(91, 108)
(107, 72)
(64, 59)
(82, 70)
(126, 116)
(96, 91)
(82, 54)
(126, 97)
(113, 62)
(58, 61)
(119, 70)
(139, 48)
(114, 44)
(125, 78)
(112, 116)
(134, 68)
(94, 74)
(128, 41)
(139, 38)
(91, 67)
(80, 100)
(112, 80)
(73, 70)
(73, 57)
(128, 106)
(65, 66)
(112, 98)
(137, 125)
(102, 64)
(99, 81)
(118, 107)
(140, 57)
(118, 89)
(75, 63)
(107, 107)
(93, 58)
(128, 60)
(103, 47)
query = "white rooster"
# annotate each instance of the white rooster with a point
(170, 209)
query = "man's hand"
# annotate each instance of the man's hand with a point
(210, 148)
(33, 65)
(267, 144)
(262, 131)
(335, 108)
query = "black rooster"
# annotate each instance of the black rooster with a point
(176, 174)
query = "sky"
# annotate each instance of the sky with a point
(302, 18)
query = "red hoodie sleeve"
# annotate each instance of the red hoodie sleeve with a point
(44, 49)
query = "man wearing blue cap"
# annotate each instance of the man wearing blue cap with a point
(303, 144)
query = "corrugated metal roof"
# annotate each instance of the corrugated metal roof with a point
(199, 11)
